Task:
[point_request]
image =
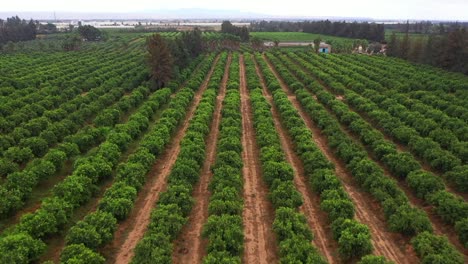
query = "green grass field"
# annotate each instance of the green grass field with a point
(388, 33)
(293, 36)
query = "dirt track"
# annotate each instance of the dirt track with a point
(390, 245)
(133, 228)
(190, 246)
(316, 218)
(258, 215)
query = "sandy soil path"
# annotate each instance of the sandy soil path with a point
(316, 218)
(190, 246)
(133, 228)
(260, 243)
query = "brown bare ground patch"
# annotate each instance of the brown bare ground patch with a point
(391, 245)
(258, 214)
(133, 228)
(190, 246)
(316, 218)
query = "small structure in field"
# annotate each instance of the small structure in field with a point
(324, 48)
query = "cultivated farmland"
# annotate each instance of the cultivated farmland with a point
(242, 157)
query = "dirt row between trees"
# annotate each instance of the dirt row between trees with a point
(133, 228)
(190, 246)
(316, 218)
(260, 246)
(390, 245)
(439, 226)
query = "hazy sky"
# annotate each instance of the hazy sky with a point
(397, 9)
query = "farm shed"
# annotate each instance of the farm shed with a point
(324, 48)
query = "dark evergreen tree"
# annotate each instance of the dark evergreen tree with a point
(90, 33)
(160, 59)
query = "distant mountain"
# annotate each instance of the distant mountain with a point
(145, 14)
(179, 14)
(197, 13)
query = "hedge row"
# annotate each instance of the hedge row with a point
(354, 238)
(175, 204)
(401, 217)
(224, 226)
(452, 209)
(78, 188)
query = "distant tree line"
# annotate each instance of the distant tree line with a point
(447, 49)
(425, 27)
(358, 30)
(15, 29)
(242, 32)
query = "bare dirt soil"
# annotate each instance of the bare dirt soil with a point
(133, 228)
(260, 244)
(316, 218)
(390, 245)
(190, 246)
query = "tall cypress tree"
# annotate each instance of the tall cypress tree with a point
(160, 60)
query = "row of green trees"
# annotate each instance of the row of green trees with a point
(174, 205)
(224, 226)
(440, 101)
(70, 115)
(97, 228)
(422, 120)
(60, 69)
(380, 109)
(393, 88)
(29, 95)
(422, 77)
(354, 238)
(65, 140)
(401, 217)
(76, 189)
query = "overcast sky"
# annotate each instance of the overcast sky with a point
(390, 9)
